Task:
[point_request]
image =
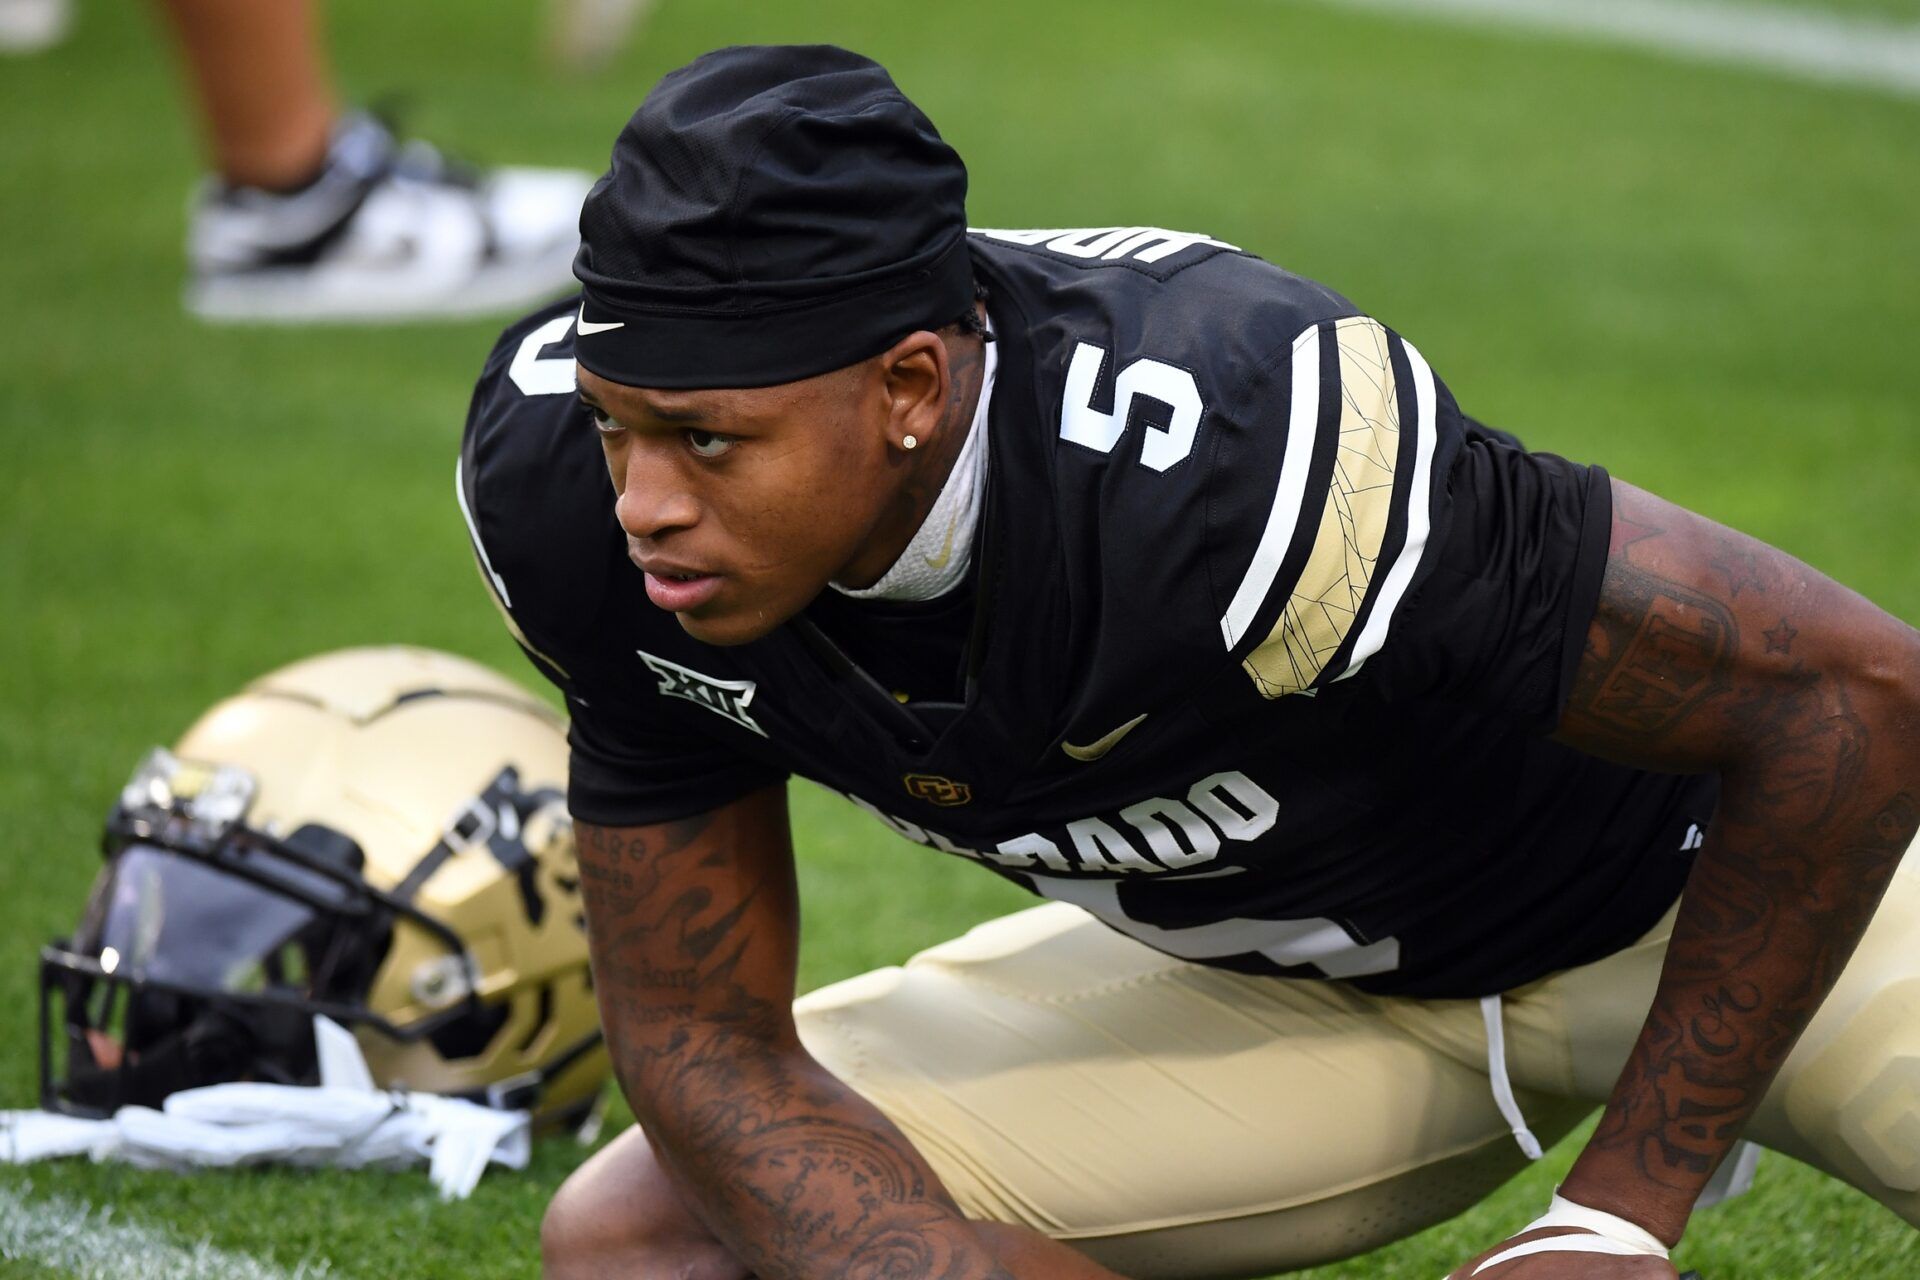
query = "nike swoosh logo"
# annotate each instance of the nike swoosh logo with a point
(585, 326)
(946, 551)
(1094, 750)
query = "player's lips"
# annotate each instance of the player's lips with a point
(676, 588)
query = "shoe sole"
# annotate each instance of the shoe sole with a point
(293, 296)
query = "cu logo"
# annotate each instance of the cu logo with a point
(934, 789)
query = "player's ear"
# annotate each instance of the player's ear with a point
(917, 381)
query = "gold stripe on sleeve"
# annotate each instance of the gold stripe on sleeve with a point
(1326, 599)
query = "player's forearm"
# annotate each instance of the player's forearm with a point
(692, 925)
(1767, 922)
(1713, 651)
(800, 1176)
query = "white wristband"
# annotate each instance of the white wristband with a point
(1605, 1233)
(1565, 1213)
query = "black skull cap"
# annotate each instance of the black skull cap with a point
(772, 212)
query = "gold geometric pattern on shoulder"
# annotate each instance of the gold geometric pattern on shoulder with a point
(1326, 600)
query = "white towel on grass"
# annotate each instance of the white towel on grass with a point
(344, 1122)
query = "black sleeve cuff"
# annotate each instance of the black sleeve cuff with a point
(1589, 572)
(609, 798)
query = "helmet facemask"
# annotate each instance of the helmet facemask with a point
(207, 947)
(386, 843)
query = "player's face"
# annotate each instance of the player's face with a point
(741, 505)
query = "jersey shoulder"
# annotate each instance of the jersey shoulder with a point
(532, 483)
(1148, 292)
(1241, 459)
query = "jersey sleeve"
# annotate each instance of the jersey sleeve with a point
(626, 774)
(532, 489)
(1400, 540)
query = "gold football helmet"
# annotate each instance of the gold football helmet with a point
(379, 835)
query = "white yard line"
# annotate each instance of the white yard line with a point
(1807, 44)
(86, 1243)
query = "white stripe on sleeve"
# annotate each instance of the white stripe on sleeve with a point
(1303, 428)
(1419, 519)
(479, 547)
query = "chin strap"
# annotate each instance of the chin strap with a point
(1601, 1233)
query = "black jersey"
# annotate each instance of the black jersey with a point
(1256, 661)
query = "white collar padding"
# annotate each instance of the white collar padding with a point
(935, 561)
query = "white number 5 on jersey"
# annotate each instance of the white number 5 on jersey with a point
(1082, 424)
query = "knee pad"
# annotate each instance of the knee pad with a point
(1857, 1102)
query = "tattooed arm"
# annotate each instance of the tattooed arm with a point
(694, 929)
(1711, 651)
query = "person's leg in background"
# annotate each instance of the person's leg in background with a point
(259, 71)
(316, 213)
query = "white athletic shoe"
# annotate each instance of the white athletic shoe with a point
(386, 233)
(28, 26)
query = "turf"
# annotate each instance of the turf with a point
(1700, 277)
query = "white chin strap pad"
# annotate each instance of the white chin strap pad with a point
(1601, 1233)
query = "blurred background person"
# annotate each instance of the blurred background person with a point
(315, 212)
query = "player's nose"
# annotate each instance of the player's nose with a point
(653, 498)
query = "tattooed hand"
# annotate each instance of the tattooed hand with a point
(693, 928)
(1710, 651)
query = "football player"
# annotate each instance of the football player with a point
(1401, 794)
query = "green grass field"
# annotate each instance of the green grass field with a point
(1702, 277)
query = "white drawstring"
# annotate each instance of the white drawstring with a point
(1493, 1015)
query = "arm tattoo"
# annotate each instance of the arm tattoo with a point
(692, 934)
(1692, 665)
(1654, 657)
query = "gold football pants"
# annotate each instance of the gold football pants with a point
(1179, 1121)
